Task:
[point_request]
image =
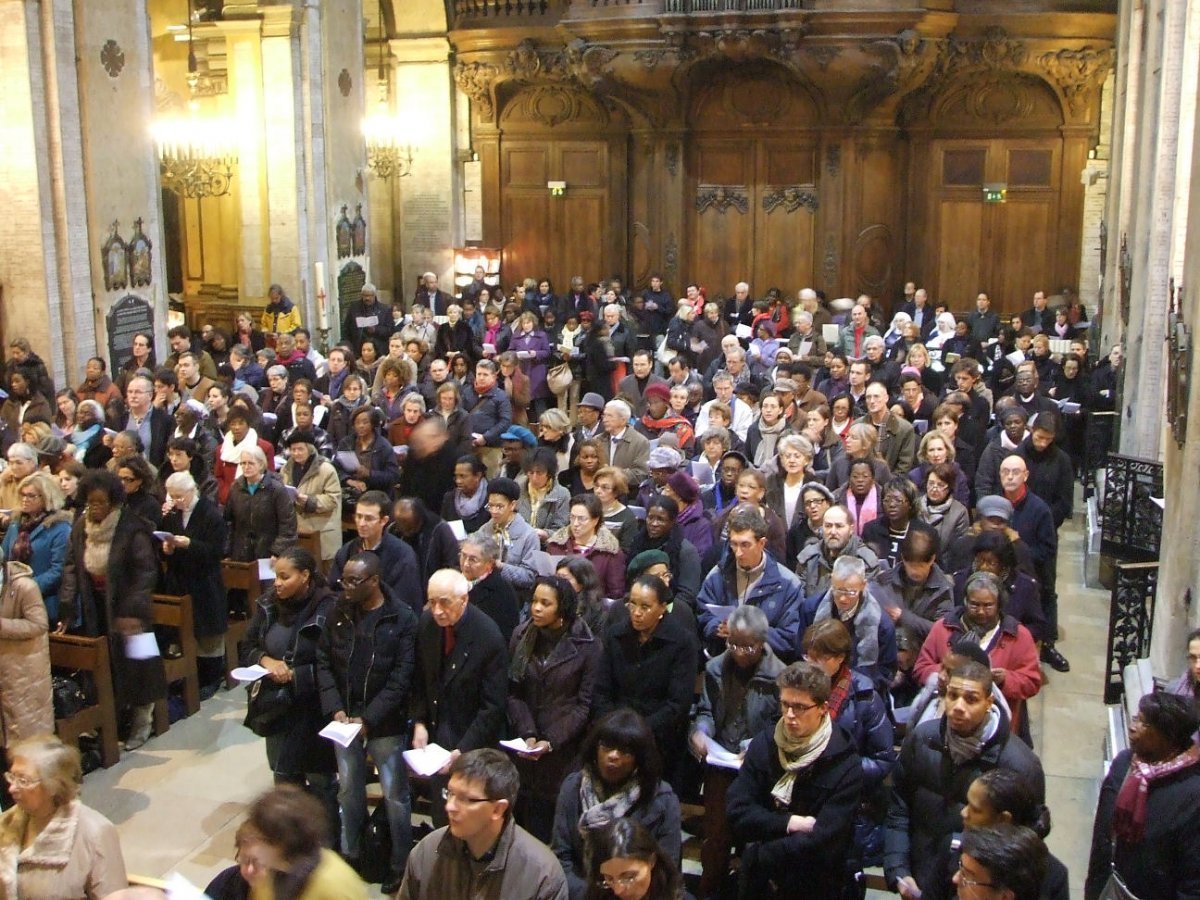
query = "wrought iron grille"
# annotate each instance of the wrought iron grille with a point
(1131, 528)
(1130, 618)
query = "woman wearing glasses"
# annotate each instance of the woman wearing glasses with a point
(628, 863)
(38, 538)
(621, 780)
(51, 844)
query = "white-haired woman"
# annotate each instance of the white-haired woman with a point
(260, 511)
(51, 844)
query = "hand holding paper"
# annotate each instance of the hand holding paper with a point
(428, 760)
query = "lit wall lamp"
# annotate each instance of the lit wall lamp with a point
(557, 188)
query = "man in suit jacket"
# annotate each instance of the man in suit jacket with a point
(1039, 318)
(431, 297)
(633, 387)
(460, 689)
(622, 446)
(153, 425)
(897, 438)
(920, 310)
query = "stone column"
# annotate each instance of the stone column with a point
(1155, 227)
(428, 199)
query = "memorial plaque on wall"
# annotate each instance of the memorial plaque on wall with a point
(350, 283)
(127, 317)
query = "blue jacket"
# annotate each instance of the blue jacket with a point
(490, 413)
(49, 543)
(1034, 522)
(866, 721)
(778, 594)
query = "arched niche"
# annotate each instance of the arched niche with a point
(554, 109)
(732, 97)
(996, 102)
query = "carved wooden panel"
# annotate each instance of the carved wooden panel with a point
(964, 168)
(1023, 253)
(1030, 168)
(526, 167)
(527, 227)
(736, 97)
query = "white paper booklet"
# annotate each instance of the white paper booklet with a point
(428, 760)
(719, 756)
(247, 674)
(342, 733)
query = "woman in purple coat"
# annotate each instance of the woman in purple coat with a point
(693, 522)
(528, 338)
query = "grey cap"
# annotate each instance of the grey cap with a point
(995, 507)
(595, 401)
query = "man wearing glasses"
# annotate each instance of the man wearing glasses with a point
(460, 690)
(153, 425)
(482, 852)
(795, 796)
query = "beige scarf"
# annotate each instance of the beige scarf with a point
(796, 755)
(98, 543)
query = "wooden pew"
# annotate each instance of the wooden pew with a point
(244, 576)
(175, 612)
(68, 651)
(311, 541)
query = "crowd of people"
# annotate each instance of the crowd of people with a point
(674, 551)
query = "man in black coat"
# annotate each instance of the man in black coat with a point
(799, 819)
(431, 297)
(368, 320)
(490, 592)
(153, 425)
(427, 533)
(460, 693)
(1039, 318)
(400, 570)
(428, 470)
(1051, 473)
(938, 761)
(364, 673)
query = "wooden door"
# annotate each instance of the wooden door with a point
(555, 236)
(1008, 249)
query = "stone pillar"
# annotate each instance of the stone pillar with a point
(1154, 229)
(1096, 178)
(428, 198)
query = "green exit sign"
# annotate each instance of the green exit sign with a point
(994, 193)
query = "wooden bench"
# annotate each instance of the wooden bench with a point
(172, 611)
(311, 541)
(89, 654)
(239, 576)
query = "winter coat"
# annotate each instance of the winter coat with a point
(48, 543)
(868, 724)
(262, 524)
(1013, 650)
(458, 338)
(1034, 522)
(605, 555)
(554, 512)
(381, 699)
(131, 578)
(225, 473)
(196, 568)
(302, 750)
(382, 469)
(660, 816)
(322, 513)
(77, 854)
(520, 866)
(1023, 603)
(761, 702)
(962, 487)
(280, 318)
(830, 790)
(815, 570)
(435, 547)
(929, 791)
(495, 597)
(1166, 862)
(489, 414)
(1051, 477)
(25, 698)
(398, 568)
(695, 527)
(656, 679)
(935, 601)
(778, 594)
(839, 471)
(874, 652)
(553, 702)
(460, 699)
(897, 444)
(534, 367)
(953, 524)
(429, 478)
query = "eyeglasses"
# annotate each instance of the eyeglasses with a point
(349, 581)
(471, 560)
(580, 520)
(621, 881)
(742, 649)
(796, 708)
(963, 879)
(24, 782)
(463, 799)
(846, 592)
(816, 501)
(30, 495)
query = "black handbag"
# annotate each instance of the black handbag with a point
(374, 865)
(268, 706)
(68, 695)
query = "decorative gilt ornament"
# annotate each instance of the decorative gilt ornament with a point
(791, 198)
(721, 198)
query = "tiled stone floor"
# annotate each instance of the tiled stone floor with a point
(178, 800)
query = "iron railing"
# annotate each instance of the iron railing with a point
(1130, 620)
(1131, 528)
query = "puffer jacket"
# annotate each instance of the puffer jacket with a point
(929, 791)
(778, 594)
(262, 523)
(48, 544)
(25, 699)
(381, 699)
(866, 721)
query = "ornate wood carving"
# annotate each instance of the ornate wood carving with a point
(671, 257)
(475, 79)
(722, 197)
(672, 157)
(829, 264)
(791, 198)
(1077, 73)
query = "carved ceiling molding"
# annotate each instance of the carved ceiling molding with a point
(722, 197)
(476, 80)
(1077, 73)
(791, 198)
